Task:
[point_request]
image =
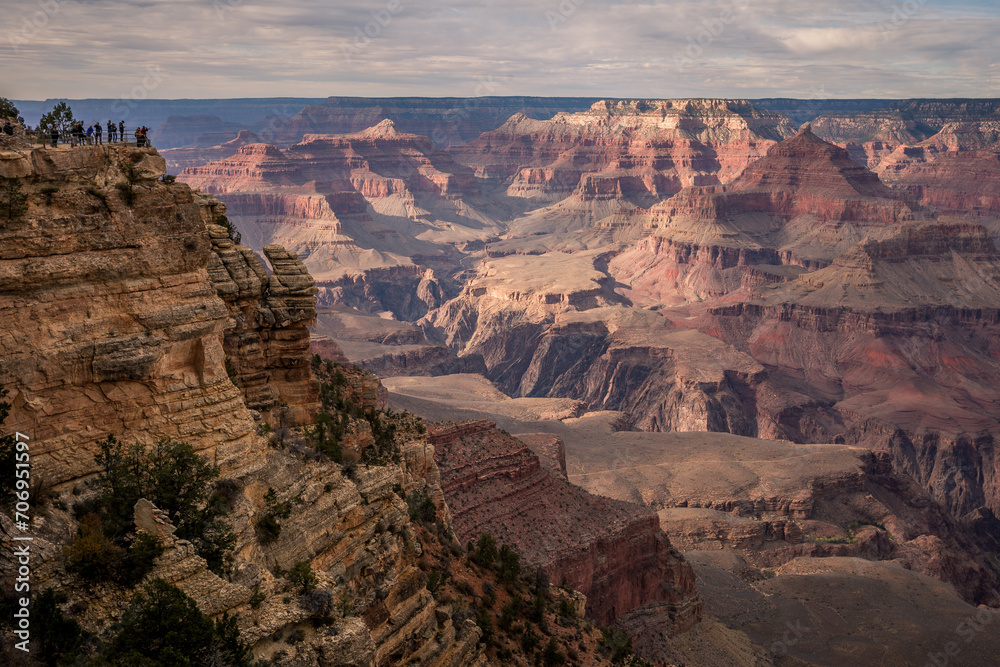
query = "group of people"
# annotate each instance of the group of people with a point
(94, 134)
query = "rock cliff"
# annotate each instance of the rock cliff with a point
(267, 340)
(111, 323)
(122, 312)
(615, 554)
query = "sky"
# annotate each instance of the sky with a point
(593, 48)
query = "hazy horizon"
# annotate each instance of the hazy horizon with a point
(232, 49)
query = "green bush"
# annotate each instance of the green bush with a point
(421, 507)
(163, 627)
(302, 575)
(92, 554)
(13, 201)
(529, 640)
(175, 479)
(509, 613)
(552, 655)
(485, 552)
(485, 622)
(234, 234)
(510, 565)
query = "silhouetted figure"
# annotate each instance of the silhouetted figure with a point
(121, 130)
(54, 134)
(97, 133)
(112, 131)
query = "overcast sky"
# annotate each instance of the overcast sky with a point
(314, 48)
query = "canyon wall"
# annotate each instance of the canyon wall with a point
(111, 323)
(615, 553)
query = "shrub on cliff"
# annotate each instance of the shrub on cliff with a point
(163, 627)
(92, 554)
(58, 639)
(302, 575)
(9, 112)
(421, 507)
(485, 552)
(616, 645)
(175, 479)
(234, 234)
(132, 175)
(510, 565)
(269, 524)
(13, 202)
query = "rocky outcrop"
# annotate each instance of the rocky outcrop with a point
(111, 323)
(267, 342)
(615, 554)
(126, 315)
(551, 450)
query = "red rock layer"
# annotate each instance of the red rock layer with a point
(613, 552)
(801, 205)
(626, 148)
(955, 172)
(375, 162)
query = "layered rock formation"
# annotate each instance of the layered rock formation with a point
(267, 341)
(906, 327)
(372, 214)
(624, 148)
(120, 319)
(872, 135)
(953, 173)
(111, 323)
(804, 301)
(179, 159)
(773, 501)
(615, 554)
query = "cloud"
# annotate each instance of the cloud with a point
(748, 48)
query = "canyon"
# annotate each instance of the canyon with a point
(716, 374)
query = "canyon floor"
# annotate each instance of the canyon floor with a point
(765, 525)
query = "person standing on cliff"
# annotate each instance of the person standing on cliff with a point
(121, 130)
(54, 134)
(112, 130)
(90, 135)
(97, 133)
